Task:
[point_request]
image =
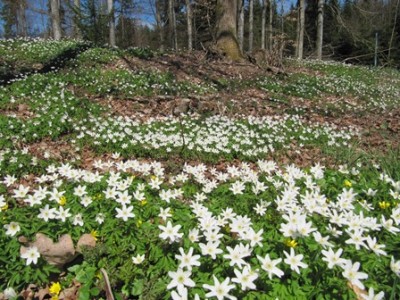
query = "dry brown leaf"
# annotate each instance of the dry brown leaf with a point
(42, 293)
(357, 291)
(29, 292)
(69, 293)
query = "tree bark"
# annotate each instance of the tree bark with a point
(320, 28)
(23, 28)
(77, 9)
(172, 24)
(55, 19)
(226, 29)
(189, 24)
(270, 19)
(240, 26)
(251, 19)
(111, 22)
(300, 29)
(159, 25)
(263, 23)
(393, 29)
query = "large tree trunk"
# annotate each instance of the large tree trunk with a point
(251, 19)
(263, 22)
(77, 8)
(55, 18)
(111, 22)
(320, 28)
(226, 29)
(189, 24)
(240, 26)
(270, 19)
(300, 30)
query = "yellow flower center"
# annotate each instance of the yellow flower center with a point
(62, 201)
(384, 204)
(94, 234)
(55, 289)
(347, 183)
(291, 243)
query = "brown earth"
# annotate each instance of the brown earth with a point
(380, 130)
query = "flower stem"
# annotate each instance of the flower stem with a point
(393, 294)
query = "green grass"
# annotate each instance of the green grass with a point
(370, 89)
(21, 56)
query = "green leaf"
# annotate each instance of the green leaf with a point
(84, 293)
(95, 291)
(137, 288)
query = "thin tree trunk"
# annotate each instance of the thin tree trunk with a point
(172, 24)
(300, 30)
(251, 19)
(159, 25)
(320, 28)
(189, 24)
(174, 27)
(23, 29)
(393, 29)
(111, 22)
(269, 28)
(240, 30)
(263, 22)
(282, 18)
(123, 33)
(55, 19)
(77, 9)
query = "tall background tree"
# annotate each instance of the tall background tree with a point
(263, 22)
(189, 17)
(320, 28)
(55, 19)
(76, 8)
(300, 29)
(240, 24)
(172, 33)
(251, 20)
(9, 15)
(351, 28)
(111, 22)
(270, 23)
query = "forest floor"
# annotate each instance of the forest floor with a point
(113, 142)
(238, 92)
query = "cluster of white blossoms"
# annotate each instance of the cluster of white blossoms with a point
(34, 49)
(128, 83)
(54, 108)
(337, 79)
(296, 206)
(51, 108)
(246, 136)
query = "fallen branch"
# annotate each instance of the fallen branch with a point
(109, 294)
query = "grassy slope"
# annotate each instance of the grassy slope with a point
(57, 108)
